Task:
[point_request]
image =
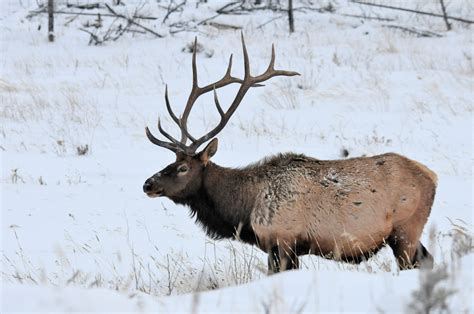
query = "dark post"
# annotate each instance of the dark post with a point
(290, 16)
(51, 20)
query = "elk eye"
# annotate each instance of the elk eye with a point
(182, 169)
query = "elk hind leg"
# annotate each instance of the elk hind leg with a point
(405, 238)
(423, 258)
(407, 248)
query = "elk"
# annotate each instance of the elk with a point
(291, 204)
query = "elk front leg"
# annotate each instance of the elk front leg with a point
(280, 259)
(273, 261)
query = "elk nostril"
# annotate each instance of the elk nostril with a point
(147, 186)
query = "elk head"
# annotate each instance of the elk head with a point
(183, 178)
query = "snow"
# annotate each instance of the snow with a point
(293, 291)
(78, 233)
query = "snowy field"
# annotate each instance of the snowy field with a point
(78, 233)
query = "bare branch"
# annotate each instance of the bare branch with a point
(419, 33)
(172, 10)
(135, 17)
(445, 15)
(414, 11)
(133, 22)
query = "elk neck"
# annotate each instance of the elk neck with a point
(224, 202)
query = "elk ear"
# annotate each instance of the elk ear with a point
(208, 152)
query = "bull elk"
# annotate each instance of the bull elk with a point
(291, 204)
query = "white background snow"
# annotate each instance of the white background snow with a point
(78, 233)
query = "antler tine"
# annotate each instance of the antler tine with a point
(271, 72)
(173, 116)
(167, 135)
(171, 146)
(224, 81)
(168, 107)
(175, 145)
(195, 92)
(195, 82)
(246, 58)
(216, 101)
(272, 60)
(229, 67)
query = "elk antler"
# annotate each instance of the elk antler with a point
(196, 91)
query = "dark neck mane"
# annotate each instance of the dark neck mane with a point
(223, 203)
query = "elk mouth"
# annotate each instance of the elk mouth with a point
(156, 193)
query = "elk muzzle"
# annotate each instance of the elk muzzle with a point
(152, 187)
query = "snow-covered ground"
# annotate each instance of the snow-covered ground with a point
(78, 233)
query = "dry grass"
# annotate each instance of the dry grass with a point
(160, 275)
(69, 120)
(437, 286)
(282, 96)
